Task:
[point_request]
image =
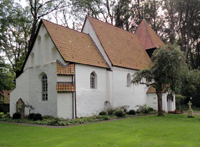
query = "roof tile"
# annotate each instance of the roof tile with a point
(74, 46)
(148, 36)
(123, 48)
(65, 87)
(64, 69)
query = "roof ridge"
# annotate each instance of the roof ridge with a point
(63, 26)
(112, 25)
(145, 23)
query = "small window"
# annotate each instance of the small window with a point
(128, 80)
(44, 88)
(93, 80)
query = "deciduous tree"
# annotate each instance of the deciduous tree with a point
(166, 73)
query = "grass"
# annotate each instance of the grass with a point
(150, 131)
(194, 108)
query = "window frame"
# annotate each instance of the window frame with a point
(93, 80)
(44, 88)
(128, 80)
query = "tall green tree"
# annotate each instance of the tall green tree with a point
(183, 20)
(191, 86)
(166, 73)
(15, 31)
(6, 80)
(40, 9)
(123, 14)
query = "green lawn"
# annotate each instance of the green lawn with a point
(194, 108)
(150, 131)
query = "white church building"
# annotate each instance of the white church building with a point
(73, 74)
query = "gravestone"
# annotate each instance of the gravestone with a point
(190, 111)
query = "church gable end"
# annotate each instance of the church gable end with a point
(43, 50)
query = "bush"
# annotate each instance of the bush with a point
(48, 117)
(120, 113)
(1, 116)
(124, 108)
(142, 108)
(110, 111)
(131, 112)
(106, 118)
(30, 116)
(37, 116)
(102, 113)
(16, 115)
(150, 109)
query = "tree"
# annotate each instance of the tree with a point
(6, 80)
(40, 9)
(182, 17)
(166, 73)
(191, 86)
(15, 31)
(99, 9)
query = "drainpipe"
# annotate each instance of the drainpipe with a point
(75, 90)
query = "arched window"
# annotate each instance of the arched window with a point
(93, 81)
(44, 88)
(128, 80)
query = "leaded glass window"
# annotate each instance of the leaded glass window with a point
(44, 88)
(93, 80)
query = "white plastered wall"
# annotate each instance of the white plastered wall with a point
(152, 101)
(88, 29)
(65, 105)
(90, 101)
(124, 95)
(28, 84)
(21, 91)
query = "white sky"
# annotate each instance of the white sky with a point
(22, 2)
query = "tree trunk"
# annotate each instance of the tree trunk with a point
(159, 96)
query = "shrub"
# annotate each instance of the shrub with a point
(1, 116)
(106, 118)
(30, 116)
(48, 117)
(131, 112)
(150, 109)
(16, 115)
(142, 108)
(124, 108)
(37, 116)
(102, 113)
(120, 113)
(110, 111)
(7, 115)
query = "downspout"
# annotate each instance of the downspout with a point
(72, 100)
(75, 89)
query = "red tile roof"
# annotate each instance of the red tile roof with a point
(153, 90)
(64, 69)
(123, 48)
(147, 36)
(65, 87)
(74, 46)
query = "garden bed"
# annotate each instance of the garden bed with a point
(53, 121)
